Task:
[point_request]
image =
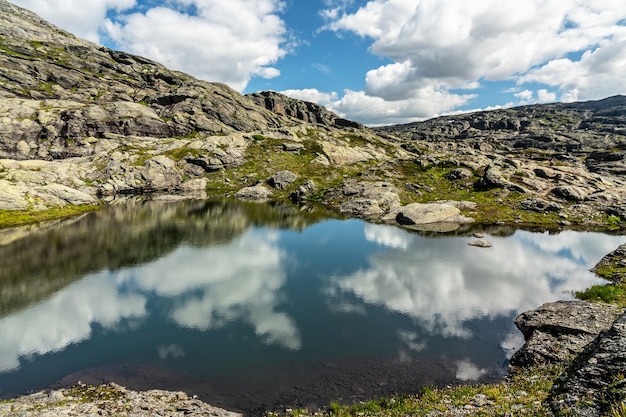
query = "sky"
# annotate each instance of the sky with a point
(378, 61)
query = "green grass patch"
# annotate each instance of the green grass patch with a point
(12, 218)
(525, 393)
(610, 293)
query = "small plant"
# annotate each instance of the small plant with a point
(258, 137)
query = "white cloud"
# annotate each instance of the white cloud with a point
(373, 110)
(66, 318)
(228, 40)
(312, 95)
(419, 280)
(83, 19)
(237, 281)
(437, 46)
(467, 371)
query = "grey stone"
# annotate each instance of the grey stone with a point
(460, 174)
(282, 179)
(557, 332)
(569, 193)
(480, 243)
(596, 380)
(417, 213)
(255, 193)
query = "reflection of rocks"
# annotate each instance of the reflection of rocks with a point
(122, 235)
(557, 332)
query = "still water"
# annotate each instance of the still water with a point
(256, 306)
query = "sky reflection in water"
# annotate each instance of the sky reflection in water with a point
(269, 296)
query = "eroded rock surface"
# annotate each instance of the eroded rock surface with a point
(109, 400)
(558, 332)
(596, 384)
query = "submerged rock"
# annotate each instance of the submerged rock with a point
(480, 243)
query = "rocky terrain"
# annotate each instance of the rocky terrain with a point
(81, 124)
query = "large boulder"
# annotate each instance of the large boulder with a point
(558, 332)
(282, 179)
(417, 213)
(596, 385)
(255, 193)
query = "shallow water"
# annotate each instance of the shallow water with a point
(255, 307)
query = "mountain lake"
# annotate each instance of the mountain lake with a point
(259, 306)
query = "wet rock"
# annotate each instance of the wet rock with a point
(558, 332)
(480, 243)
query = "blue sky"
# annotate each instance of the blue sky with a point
(374, 61)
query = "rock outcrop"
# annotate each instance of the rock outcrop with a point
(558, 332)
(109, 400)
(301, 110)
(596, 385)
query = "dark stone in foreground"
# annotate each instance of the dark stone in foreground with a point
(596, 383)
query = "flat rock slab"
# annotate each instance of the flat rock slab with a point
(557, 332)
(417, 213)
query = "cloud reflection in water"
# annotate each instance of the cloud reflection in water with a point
(442, 283)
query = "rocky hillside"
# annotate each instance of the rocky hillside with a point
(80, 123)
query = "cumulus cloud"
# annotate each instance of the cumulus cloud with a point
(394, 281)
(214, 286)
(439, 46)
(312, 95)
(66, 318)
(225, 40)
(228, 41)
(467, 371)
(83, 19)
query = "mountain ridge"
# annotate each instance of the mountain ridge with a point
(80, 122)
